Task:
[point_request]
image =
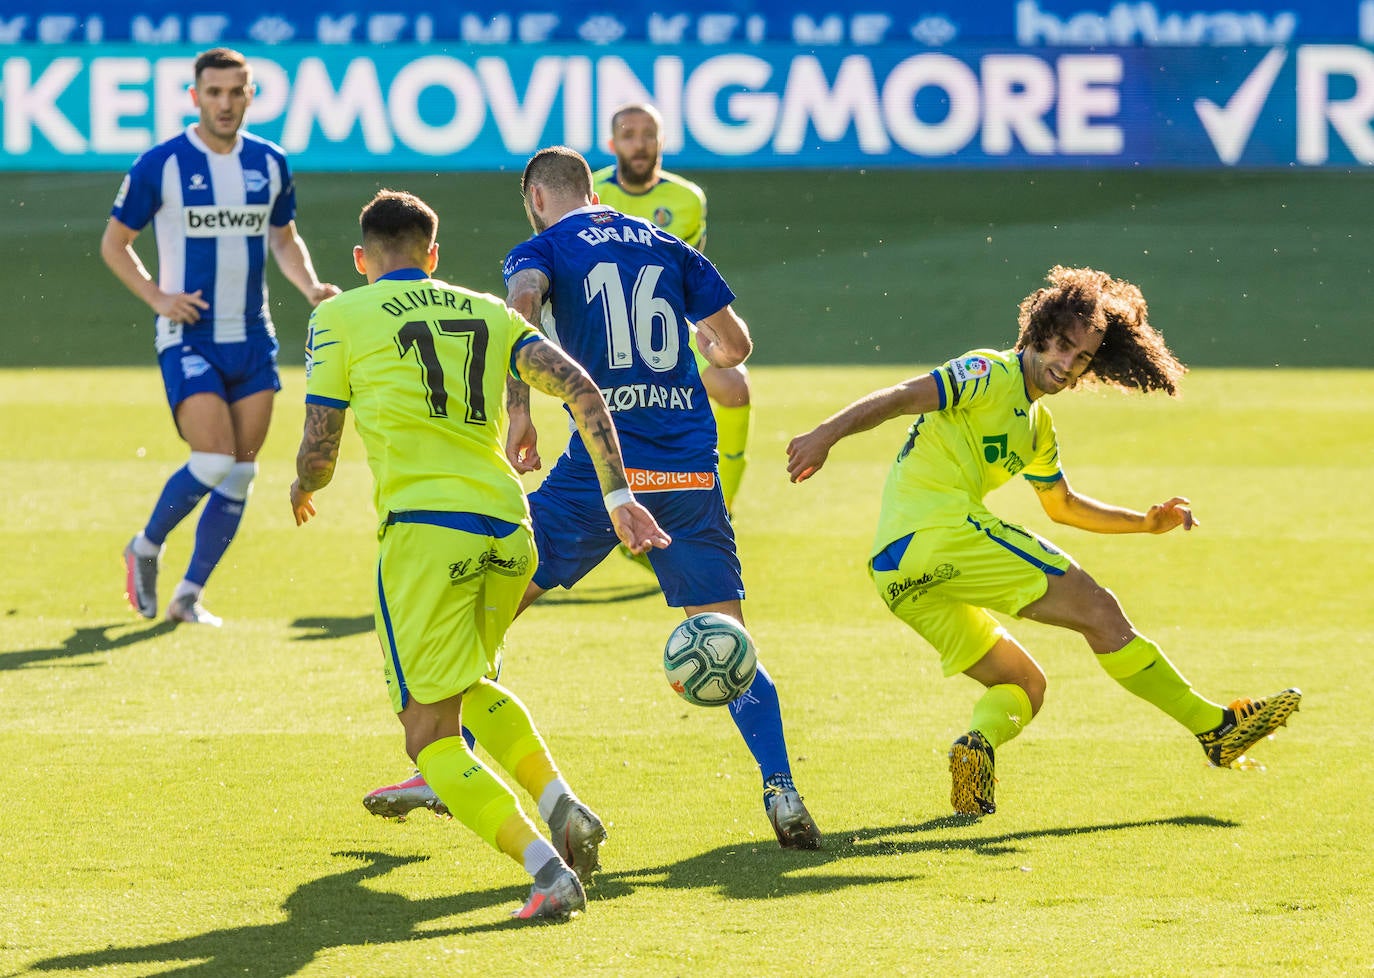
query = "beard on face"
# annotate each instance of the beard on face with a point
(638, 169)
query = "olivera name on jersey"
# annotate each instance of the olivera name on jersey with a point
(216, 220)
(412, 299)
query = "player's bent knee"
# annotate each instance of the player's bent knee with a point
(1034, 686)
(1103, 612)
(239, 482)
(728, 386)
(210, 468)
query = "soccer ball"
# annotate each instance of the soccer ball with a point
(710, 659)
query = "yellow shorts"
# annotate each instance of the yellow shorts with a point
(942, 581)
(445, 598)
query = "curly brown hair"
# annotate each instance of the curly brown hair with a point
(1133, 354)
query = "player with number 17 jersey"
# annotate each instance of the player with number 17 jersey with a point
(616, 285)
(375, 349)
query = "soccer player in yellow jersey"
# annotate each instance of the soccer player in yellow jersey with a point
(940, 558)
(639, 186)
(423, 365)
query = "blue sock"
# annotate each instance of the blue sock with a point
(216, 528)
(179, 497)
(759, 719)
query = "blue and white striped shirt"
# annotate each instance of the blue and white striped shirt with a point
(211, 213)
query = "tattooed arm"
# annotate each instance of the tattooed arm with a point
(522, 440)
(525, 294)
(550, 370)
(315, 460)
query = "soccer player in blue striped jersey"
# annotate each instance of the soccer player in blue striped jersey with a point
(218, 199)
(622, 292)
(940, 559)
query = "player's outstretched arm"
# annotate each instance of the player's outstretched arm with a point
(549, 369)
(807, 453)
(316, 457)
(723, 338)
(1065, 506)
(293, 258)
(117, 249)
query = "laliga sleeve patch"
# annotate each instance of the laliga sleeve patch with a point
(969, 368)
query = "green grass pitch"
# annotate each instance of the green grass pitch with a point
(186, 802)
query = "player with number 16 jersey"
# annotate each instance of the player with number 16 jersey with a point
(615, 283)
(621, 293)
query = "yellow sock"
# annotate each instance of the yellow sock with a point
(1141, 668)
(1001, 713)
(503, 727)
(732, 434)
(476, 797)
(514, 838)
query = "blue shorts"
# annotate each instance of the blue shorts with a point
(232, 371)
(573, 534)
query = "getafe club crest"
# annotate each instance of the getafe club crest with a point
(663, 217)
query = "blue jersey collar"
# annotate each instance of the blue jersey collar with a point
(404, 275)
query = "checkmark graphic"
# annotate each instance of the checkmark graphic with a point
(1230, 127)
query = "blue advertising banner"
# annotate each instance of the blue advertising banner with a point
(819, 23)
(464, 107)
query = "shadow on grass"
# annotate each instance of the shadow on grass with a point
(338, 911)
(604, 594)
(85, 641)
(324, 628)
(721, 869)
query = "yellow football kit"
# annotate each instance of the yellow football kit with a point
(941, 561)
(423, 366)
(940, 557)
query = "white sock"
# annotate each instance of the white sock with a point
(186, 587)
(145, 547)
(556, 789)
(537, 854)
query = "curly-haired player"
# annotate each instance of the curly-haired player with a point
(941, 559)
